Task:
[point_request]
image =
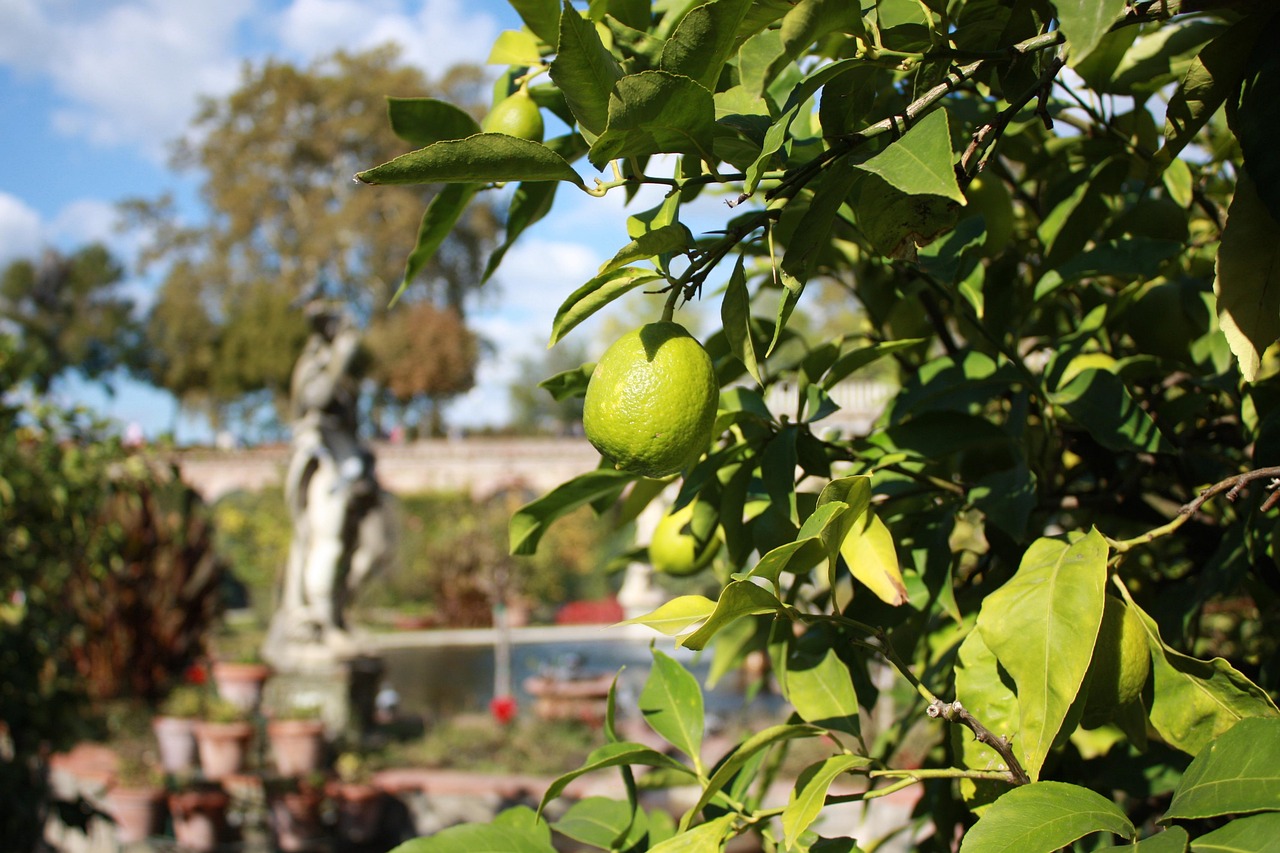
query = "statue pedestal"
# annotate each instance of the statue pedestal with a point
(344, 690)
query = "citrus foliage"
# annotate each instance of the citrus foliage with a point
(1087, 402)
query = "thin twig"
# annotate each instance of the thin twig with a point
(954, 712)
(1231, 487)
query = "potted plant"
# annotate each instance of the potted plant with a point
(174, 728)
(359, 802)
(294, 810)
(223, 738)
(199, 812)
(296, 735)
(135, 798)
(240, 679)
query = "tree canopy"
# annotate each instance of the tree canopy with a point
(283, 223)
(1060, 221)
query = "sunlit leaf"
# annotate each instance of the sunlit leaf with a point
(596, 294)
(437, 221)
(703, 40)
(1084, 22)
(738, 599)
(677, 616)
(1258, 833)
(654, 112)
(422, 121)
(810, 793)
(671, 703)
(585, 70)
(1237, 773)
(820, 688)
(1247, 282)
(1043, 817)
(921, 162)
(483, 158)
(531, 520)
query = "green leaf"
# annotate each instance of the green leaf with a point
(708, 837)
(1247, 281)
(819, 539)
(530, 202)
(921, 162)
(585, 70)
(540, 16)
(1195, 701)
(735, 318)
(509, 836)
(745, 752)
(620, 754)
(821, 689)
(737, 599)
(1085, 22)
(600, 822)
(660, 241)
(1100, 402)
(1255, 834)
(515, 47)
(422, 121)
(850, 362)
(810, 793)
(596, 294)
(981, 689)
(568, 383)
(1043, 817)
(813, 233)
(677, 616)
(671, 703)
(483, 158)
(703, 40)
(897, 222)
(1255, 123)
(438, 219)
(1237, 773)
(810, 20)
(531, 520)
(1172, 840)
(1041, 625)
(654, 112)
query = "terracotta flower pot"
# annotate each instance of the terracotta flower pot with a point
(359, 808)
(175, 737)
(241, 683)
(200, 818)
(223, 747)
(295, 818)
(297, 746)
(137, 812)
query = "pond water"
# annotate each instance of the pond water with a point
(454, 672)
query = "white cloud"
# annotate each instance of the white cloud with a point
(87, 221)
(434, 36)
(20, 230)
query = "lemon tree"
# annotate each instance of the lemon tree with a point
(676, 548)
(1046, 236)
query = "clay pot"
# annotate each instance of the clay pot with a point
(297, 746)
(200, 818)
(138, 812)
(223, 747)
(241, 683)
(175, 737)
(295, 818)
(359, 807)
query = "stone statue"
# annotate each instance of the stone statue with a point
(342, 532)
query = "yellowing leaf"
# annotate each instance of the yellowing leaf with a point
(873, 559)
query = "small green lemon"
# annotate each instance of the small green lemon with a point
(674, 550)
(990, 198)
(1121, 662)
(651, 401)
(515, 115)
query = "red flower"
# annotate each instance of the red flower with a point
(503, 708)
(195, 674)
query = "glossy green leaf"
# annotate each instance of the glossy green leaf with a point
(601, 822)
(850, 362)
(662, 240)
(677, 616)
(707, 837)
(1099, 401)
(1043, 817)
(568, 383)
(540, 16)
(483, 158)
(1041, 626)
(1237, 773)
(1247, 282)
(820, 688)
(737, 599)
(531, 520)
(981, 688)
(438, 219)
(514, 831)
(818, 540)
(1172, 840)
(585, 70)
(620, 754)
(1258, 833)
(655, 112)
(809, 795)
(705, 37)
(422, 121)
(1084, 22)
(741, 755)
(735, 318)
(596, 294)
(921, 162)
(1195, 701)
(671, 703)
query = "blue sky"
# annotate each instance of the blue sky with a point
(92, 91)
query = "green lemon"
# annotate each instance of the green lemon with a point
(651, 401)
(991, 199)
(515, 115)
(674, 550)
(1121, 662)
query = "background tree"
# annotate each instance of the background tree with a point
(69, 315)
(285, 222)
(1072, 492)
(535, 407)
